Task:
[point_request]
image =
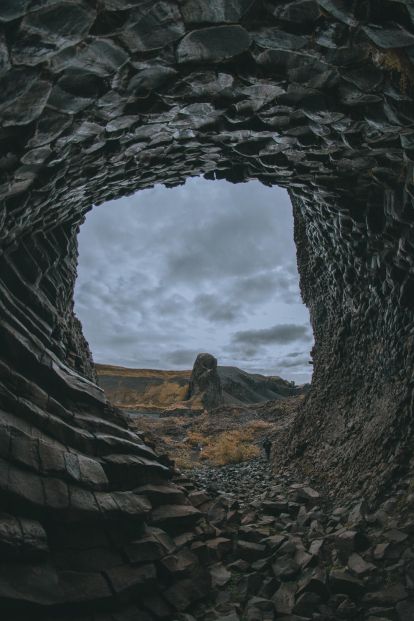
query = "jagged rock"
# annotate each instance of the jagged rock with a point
(175, 516)
(284, 598)
(220, 575)
(130, 582)
(185, 592)
(250, 552)
(217, 548)
(340, 581)
(359, 567)
(205, 382)
(259, 609)
(306, 604)
(213, 44)
(352, 541)
(405, 610)
(248, 586)
(285, 568)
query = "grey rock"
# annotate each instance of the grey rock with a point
(29, 106)
(205, 382)
(278, 39)
(359, 567)
(341, 9)
(259, 609)
(250, 552)
(220, 575)
(49, 125)
(405, 610)
(330, 34)
(284, 598)
(306, 604)
(44, 32)
(15, 84)
(12, 9)
(341, 581)
(300, 12)
(352, 541)
(392, 36)
(150, 78)
(365, 78)
(285, 568)
(152, 25)
(121, 122)
(101, 57)
(196, 12)
(213, 44)
(129, 582)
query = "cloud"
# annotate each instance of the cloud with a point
(277, 335)
(214, 310)
(182, 357)
(288, 363)
(278, 284)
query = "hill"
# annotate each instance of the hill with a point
(152, 390)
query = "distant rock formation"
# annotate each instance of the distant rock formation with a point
(205, 382)
(175, 393)
(204, 390)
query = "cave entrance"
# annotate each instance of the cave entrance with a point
(168, 273)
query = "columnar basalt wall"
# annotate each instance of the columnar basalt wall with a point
(99, 99)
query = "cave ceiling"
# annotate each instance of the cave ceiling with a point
(100, 99)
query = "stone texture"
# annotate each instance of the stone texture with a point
(96, 105)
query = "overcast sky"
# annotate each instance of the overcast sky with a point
(205, 267)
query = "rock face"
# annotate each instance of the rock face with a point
(205, 385)
(101, 99)
(204, 389)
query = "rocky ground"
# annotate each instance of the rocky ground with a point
(277, 548)
(277, 543)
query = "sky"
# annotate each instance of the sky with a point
(206, 267)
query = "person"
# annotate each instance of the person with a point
(199, 447)
(267, 445)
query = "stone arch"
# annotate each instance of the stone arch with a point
(99, 99)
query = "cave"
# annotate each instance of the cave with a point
(102, 98)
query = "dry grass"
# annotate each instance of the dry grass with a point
(231, 447)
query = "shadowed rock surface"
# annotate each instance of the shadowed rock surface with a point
(101, 99)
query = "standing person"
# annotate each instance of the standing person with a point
(199, 447)
(267, 445)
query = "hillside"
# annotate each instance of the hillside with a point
(152, 390)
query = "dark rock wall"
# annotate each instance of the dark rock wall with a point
(101, 99)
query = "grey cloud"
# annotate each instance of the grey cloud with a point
(267, 286)
(210, 307)
(182, 357)
(173, 305)
(281, 334)
(296, 362)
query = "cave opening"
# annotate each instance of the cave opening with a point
(208, 266)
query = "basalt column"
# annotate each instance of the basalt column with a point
(99, 99)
